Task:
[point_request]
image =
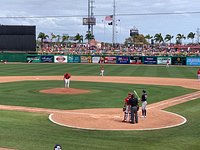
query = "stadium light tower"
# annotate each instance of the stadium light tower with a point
(91, 18)
(89, 27)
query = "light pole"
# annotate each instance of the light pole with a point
(113, 24)
(88, 18)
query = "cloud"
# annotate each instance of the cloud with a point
(74, 11)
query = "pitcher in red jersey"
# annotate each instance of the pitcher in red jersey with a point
(66, 79)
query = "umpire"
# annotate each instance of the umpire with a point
(134, 114)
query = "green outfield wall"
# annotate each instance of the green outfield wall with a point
(148, 60)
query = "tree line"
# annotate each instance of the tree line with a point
(140, 39)
(136, 40)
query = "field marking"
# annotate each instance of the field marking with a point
(144, 129)
(189, 97)
(172, 101)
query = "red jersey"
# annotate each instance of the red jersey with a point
(126, 100)
(67, 76)
(102, 68)
(198, 72)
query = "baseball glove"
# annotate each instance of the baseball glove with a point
(124, 108)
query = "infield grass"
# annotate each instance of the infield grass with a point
(109, 95)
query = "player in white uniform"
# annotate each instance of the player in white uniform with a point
(102, 70)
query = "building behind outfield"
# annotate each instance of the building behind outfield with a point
(17, 38)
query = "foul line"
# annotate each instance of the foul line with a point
(168, 102)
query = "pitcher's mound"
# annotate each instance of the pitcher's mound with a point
(64, 91)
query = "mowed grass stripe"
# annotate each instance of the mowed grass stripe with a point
(94, 70)
(109, 95)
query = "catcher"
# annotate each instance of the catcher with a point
(126, 109)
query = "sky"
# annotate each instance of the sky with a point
(129, 14)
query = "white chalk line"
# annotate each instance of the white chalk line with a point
(172, 101)
(85, 128)
(103, 115)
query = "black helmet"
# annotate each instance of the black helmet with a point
(143, 91)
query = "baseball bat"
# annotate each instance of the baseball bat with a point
(136, 94)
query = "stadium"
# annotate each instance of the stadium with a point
(38, 112)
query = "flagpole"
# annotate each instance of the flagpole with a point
(113, 25)
(104, 31)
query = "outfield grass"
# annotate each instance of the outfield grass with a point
(94, 70)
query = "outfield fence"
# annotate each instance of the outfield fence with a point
(45, 58)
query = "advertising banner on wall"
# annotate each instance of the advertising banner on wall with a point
(150, 60)
(33, 59)
(135, 59)
(110, 60)
(96, 59)
(73, 59)
(178, 60)
(70, 59)
(76, 59)
(47, 59)
(193, 61)
(86, 59)
(123, 60)
(60, 59)
(163, 60)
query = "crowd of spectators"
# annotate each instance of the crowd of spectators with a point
(147, 50)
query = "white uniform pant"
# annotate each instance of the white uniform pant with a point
(102, 71)
(199, 76)
(144, 104)
(67, 82)
(127, 113)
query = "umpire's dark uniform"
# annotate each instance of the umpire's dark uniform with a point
(134, 103)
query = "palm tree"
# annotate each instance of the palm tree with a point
(65, 37)
(78, 38)
(158, 38)
(191, 36)
(169, 37)
(42, 36)
(58, 38)
(53, 36)
(148, 37)
(89, 36)
(179, 38)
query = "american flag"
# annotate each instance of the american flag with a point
(109, 18)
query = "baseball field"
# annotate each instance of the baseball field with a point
(90, 116)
